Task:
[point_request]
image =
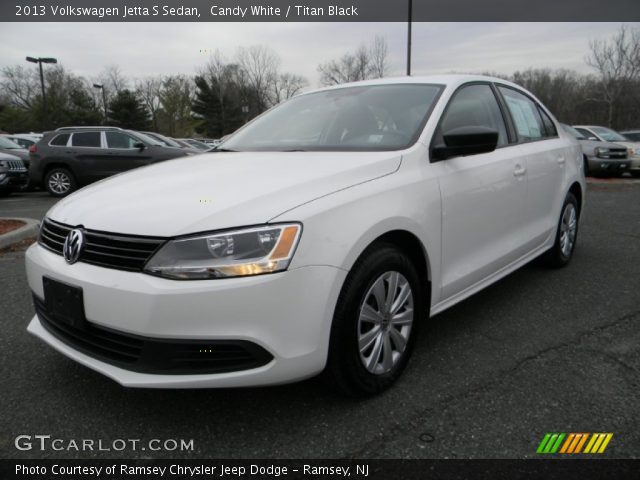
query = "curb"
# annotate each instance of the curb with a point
(30, 229)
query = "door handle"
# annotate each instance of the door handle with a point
(519, 171)
(561, 160)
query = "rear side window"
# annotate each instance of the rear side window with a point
(474, 106)
(86, 139)
(525, 114)
(60, 140)
(549, 127)
(120, 140)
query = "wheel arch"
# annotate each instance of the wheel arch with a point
(576, 190)
(409, 243)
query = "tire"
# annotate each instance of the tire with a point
(566, 234)
(5, 193)
(357, 314)
(59, 182)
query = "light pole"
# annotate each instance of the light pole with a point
(40, 61)
(409, 38)
(104, 101)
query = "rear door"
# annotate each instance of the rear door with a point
(482, 195)
(91, 160)
(546, 157)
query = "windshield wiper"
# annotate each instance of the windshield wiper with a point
(223, 150)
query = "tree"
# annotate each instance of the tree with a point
(148, 90)
(617, 63)
(260, 66)
(285, 86)
(362, 64)
(21, 85)
(176, 96)
(126, 110)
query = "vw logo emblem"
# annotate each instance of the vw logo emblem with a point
(73, 245)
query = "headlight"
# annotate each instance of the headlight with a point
(602, 152)
(250, 251)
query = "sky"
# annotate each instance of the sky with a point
(149, 49)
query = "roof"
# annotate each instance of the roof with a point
(452, 80)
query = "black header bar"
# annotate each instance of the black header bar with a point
(319, 11)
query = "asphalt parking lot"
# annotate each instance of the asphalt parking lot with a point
(540, 351)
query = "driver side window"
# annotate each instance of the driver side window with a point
(474, 106)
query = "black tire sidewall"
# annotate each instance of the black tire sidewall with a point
(344, 363)
(557, 258)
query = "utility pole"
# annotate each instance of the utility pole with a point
(409, 38)
(40, 61)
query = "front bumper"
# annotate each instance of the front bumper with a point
(288, 314)
(14, 181)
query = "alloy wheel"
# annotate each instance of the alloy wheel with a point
(568, 229)
(385, 321)
(59, 183)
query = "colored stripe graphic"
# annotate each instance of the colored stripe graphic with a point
(581, 443)
(567, 443)
(543, 443)
(572, 443)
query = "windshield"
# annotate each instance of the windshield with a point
(574, 132)
(608, 134)
(9, 144)
(359, 118)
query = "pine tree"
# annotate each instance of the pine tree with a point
(126, 110)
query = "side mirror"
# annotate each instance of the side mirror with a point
(595, 139)
(139, 145)
(468, 140)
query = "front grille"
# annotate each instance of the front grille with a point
(154, 355)
(122, 252)
(15, 166)
(618, 153)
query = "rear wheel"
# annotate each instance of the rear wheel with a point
(59, 182)
(375, 322)
(566, 234)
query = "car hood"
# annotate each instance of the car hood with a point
(629, 144)
(20, 153)
(217, 190)
(596, 143)
(6, 156)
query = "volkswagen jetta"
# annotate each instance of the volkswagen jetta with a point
(317, 238)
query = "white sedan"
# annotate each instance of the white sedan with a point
(316, 239)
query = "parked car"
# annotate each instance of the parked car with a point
(195, 143)
(632, 135)
(9, 147)
(604, 134)
(25, 140)
(170, 142)
(321, 237)
(71, 157)
(601, 157)
(13, 174)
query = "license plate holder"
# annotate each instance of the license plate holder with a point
(64, 302)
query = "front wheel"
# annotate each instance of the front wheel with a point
(375, 323)
(566, 234)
